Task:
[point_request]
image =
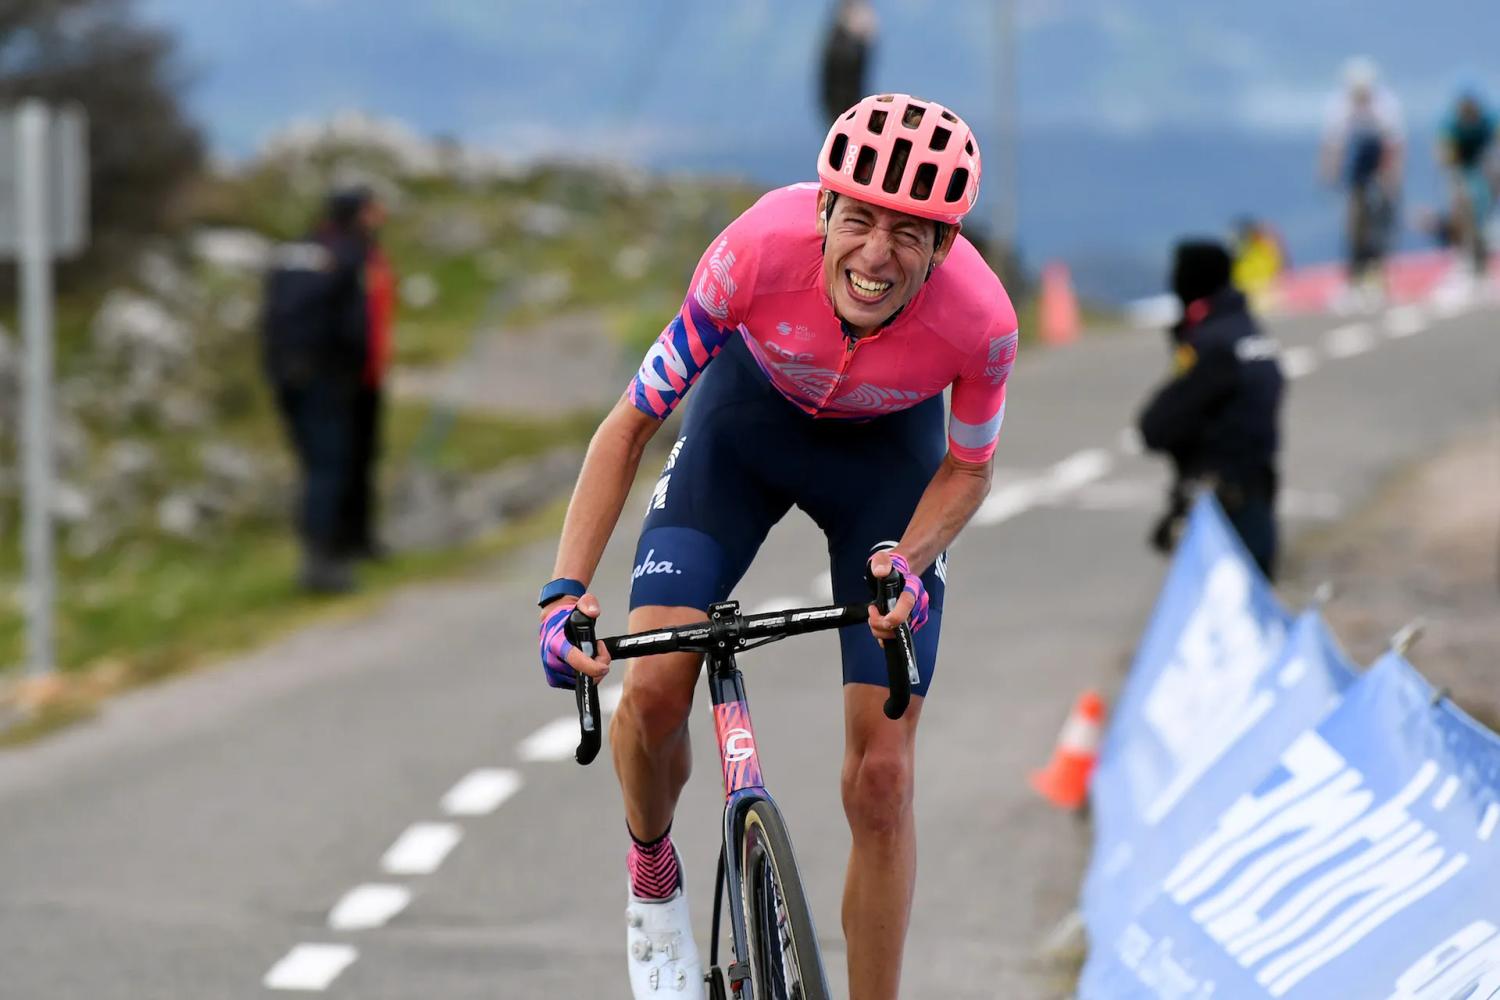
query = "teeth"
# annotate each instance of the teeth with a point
(868, 286)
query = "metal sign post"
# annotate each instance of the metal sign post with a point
(42, 220)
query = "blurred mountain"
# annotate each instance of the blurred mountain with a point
(1135, 123)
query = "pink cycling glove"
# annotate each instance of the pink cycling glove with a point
(913, 586)
(555, 644)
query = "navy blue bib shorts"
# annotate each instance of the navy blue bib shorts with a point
(745, 457)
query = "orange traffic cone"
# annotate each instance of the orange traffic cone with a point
(1065, 780)
(1058, 308)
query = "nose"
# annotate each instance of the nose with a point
(878, 247)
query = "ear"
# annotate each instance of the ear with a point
(941, 253)
(824, 197)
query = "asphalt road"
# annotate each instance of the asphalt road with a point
(310, 817)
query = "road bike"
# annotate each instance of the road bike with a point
(774, 942)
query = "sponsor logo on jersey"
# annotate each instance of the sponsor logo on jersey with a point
(716, 287)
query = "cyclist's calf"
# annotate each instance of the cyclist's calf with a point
(649, 734)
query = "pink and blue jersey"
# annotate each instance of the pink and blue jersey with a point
(762, 280)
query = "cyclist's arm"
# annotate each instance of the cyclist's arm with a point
(681, 353)
(951, 498)
(609, 469)
(962, 481)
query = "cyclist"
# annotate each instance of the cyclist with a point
(835, 315)
(1363, 148)
(1465, 148)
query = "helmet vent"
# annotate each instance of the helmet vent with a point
(969, 147)
(886, 98)
(837, 150)
(956, 184)
(950, 116)
(913, 116)
(864, 167)
(896, 168)
(877, 122)
(922, 183)
(940, 137)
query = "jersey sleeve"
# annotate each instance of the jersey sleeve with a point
(979, 398)
(720, 291)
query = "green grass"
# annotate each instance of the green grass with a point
(154, 600)
(153, 611)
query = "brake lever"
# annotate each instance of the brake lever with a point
(579, 630)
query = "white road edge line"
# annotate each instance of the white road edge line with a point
(1130, 442)
(1405, 321)
(368, 906)
(421, 849)
(482, 791)
(1348, 340)
(310, 967)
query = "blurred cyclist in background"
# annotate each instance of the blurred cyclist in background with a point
(1363, 148)
(821, 329)
(1466, 148)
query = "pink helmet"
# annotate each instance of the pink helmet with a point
(903, 153)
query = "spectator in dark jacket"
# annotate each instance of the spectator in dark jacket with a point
(317, 346)
(1217, 417)
(846, 56)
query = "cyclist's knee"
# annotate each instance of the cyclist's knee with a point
(658, 695)
(877, 788)
(657, 701)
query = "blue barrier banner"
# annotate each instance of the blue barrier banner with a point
(1192, 690)
(1364, 864)
(1293, 693)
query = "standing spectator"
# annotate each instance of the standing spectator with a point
(846, 56)
(1259, 259)
(1362, 150)
(1466, 151)
(360, 539)
(315, 328)
(1216, 418)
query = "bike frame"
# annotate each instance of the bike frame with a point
(743, 785)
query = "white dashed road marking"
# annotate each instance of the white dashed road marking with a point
(481, 792)
(1006, 502)
(421, 849)
(1348, 340)
(558, 739)
(1077, 470)
(368, 906)
(1297, 362)
(822, 586)
(310, 967)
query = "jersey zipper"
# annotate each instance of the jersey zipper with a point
(851, 344)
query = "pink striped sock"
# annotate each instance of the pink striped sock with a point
(653, 868)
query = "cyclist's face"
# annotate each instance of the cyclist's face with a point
(875, 259)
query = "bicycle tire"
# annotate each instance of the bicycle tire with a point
(784, 964)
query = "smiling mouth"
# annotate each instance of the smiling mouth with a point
(864, 289)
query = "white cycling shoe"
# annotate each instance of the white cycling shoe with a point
(664, 963)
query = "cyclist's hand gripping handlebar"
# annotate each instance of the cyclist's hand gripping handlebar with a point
(580, 632)
(900, 654)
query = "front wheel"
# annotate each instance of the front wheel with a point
(784, 959)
